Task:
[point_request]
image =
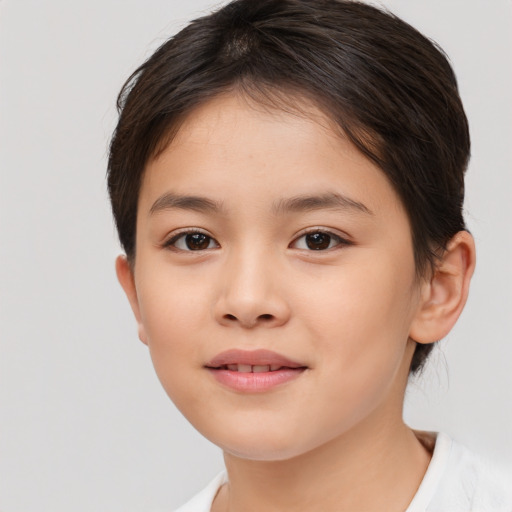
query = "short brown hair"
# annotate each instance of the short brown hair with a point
(391, 91)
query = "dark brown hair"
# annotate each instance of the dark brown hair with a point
(391, 91)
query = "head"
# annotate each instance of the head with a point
(389, 89)
(360, 76)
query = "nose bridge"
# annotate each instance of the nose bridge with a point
(250, 288)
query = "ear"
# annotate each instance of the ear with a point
(444, 294)
(126, 279)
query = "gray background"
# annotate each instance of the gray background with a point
(84, 424)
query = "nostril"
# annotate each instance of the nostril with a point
(249, 321)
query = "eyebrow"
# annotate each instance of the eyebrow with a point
(302, 203)
(327, 201)
(170, 201)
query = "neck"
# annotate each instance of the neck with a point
(380, 469)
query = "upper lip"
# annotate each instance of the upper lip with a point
(252, 357)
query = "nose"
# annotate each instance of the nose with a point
(251, 293)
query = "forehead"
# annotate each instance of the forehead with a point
(233, 148)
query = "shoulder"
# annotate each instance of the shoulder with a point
(202, 501)
(459, 480)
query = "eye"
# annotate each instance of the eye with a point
(192, 241)
(318, 241)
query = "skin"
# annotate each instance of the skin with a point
(333, 438)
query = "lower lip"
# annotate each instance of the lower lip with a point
(255, 382)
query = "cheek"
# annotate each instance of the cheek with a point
(358, 325)
(173, 302)
(360, 319)
(175, 315)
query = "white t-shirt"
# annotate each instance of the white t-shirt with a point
(456, 480)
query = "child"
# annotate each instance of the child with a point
(287, 179)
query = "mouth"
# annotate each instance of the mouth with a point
(253, 371)
(256, 368)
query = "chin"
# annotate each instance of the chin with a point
(261, 453)
(262, 445)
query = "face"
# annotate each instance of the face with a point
(274, 280)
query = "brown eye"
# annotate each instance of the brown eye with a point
(192, 241)
(318, 241)
(197, 241)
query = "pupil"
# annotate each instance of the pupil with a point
(197, 241)
(318, 241)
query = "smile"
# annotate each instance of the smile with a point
(253, 371)
(247, 368)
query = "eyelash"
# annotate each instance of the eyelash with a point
(333, 236)
(171, 243)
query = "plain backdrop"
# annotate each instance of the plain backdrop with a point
(84, 423)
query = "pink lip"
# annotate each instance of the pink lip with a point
(252, 357)
(258, 381)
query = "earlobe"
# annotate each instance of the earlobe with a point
(126, 280)
(444, 295)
